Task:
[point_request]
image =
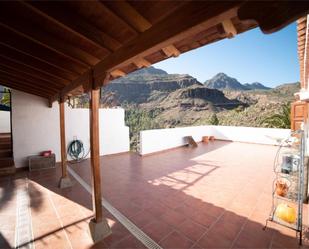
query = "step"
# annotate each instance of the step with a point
(5, 153)
(7, 171)
(5, 139)
(7, 166)
(6, 162)
(5, 146)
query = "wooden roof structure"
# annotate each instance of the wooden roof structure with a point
(302, 37)
(58, 48)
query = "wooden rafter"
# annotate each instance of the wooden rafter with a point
(26, 46)
(141, 63)
(125, 10)
(26, 76)
(35, 63)
(117, 73)
(27, 82)
(24, 69)
(80, 27)
(197, 16)
(229, 28)
(19, 85)
(171, 51)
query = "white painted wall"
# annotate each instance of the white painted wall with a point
(5, 122)
(161, 139)
(36, 128)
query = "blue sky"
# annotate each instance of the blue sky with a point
(250, 57)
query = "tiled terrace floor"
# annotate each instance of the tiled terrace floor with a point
(215, 196)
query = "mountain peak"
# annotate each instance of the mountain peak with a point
(222, 81)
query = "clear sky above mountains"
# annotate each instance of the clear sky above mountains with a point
(249, 57)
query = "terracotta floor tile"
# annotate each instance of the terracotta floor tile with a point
(191, 229)
(173, 218)
(157, 230)
(129, 242)
(176, 241)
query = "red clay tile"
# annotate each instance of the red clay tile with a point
(176, 241)
(191, 229)
(157, 230)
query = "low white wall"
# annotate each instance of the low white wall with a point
(161, 139)
(5, 122)
(36, 128)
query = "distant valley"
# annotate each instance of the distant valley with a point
(155, 99)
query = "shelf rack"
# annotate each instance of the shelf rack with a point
(293, 146)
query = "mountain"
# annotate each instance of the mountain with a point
(256, 86)
(221, 81)
(138, 86)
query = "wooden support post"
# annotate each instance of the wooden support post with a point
(99, 227)
(65, 181)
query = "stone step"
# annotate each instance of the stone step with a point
(6, 153)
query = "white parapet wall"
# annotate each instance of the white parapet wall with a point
(152, 141)
(5, 126)
(36, 128)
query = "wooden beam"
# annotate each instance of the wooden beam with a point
(27, 81)
(117, 73)
(29, 84)
(273, 15)
(18, 62)
(72, 86)
(62, 48)
(68, 21)
(128, 13)
(62, 138)
(17, 86)
(229, 28)
(141, 63)
(95, 154)
(31, 71)
(65, 181)
(32, 62)
(198, 15)
(171, 51)
(33, 78)
(26, 46)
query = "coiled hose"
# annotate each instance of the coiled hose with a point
(76, 151)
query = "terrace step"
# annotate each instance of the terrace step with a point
(5, 153)
(7, 166)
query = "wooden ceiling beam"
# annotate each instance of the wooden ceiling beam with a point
(43, 82)
(23, 45)
(141, 63)
(171, 51)
(28, 82)
(74, 24)
(14, 83)
(18, 87)
(198, 15)
(27, 60)
(23, 25)
(31, 71)
(229, 28)
(44, 39)
(117, 73)
(271, 16)
(127, 12)
(83, 80)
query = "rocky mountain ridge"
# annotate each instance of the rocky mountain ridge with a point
(221, 81)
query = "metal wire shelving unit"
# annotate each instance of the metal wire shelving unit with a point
(292, 148)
